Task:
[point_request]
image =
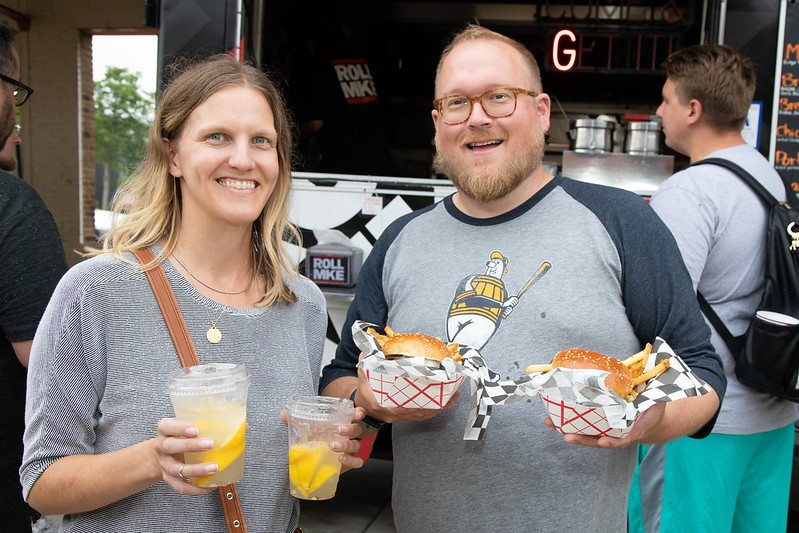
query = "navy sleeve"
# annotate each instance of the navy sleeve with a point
(369, 305)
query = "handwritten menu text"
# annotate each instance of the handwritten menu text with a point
(786, 148)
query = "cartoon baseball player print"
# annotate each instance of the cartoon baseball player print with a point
(481, 303)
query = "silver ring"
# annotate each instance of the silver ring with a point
(180, 474)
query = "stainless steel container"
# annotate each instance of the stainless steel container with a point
(643, 138)
(593, 135)
(640, 174)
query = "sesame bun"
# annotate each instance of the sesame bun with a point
(619, 379)
(416, 345)
(433, 349)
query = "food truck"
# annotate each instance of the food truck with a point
(600, 63)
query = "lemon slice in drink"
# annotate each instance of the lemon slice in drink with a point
(311, 465)
(227, 453)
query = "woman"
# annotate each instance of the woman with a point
(211, 200)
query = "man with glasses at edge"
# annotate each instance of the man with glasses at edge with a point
(615, 282)
(8, 153)
(31, 263)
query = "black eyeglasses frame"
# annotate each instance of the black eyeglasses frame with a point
(21, 88)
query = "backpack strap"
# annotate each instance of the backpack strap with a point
(743, 174)
(726, 335)
(733, 343)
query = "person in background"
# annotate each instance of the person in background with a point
(738, 478)
(31, 263)
(8, 154)
(615, 283)
(210, 199)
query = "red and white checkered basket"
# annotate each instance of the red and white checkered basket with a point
(578, 401)
(571, 417)
(406, 382)
(415, 392)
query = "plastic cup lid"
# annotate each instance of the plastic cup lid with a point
(778, 318)
(208, 378)
(320, 408)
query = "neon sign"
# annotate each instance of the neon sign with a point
(608, 50)
(650, 12)
(569, 53)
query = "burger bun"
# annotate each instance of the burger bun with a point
(619, 379)
(432, 349)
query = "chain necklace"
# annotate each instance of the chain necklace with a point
(205, 284)
(214, 334)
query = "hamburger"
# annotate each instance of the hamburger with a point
(623, 376)
(399, 345)
(619, 379)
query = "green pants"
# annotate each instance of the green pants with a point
(735, 483)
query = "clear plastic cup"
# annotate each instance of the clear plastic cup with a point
(214, 398)
(313, 423)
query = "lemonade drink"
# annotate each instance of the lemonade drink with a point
(214, 398)
(313, 423)
(313, 470)
(226, 424)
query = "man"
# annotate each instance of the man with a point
(8, 154)
(738, 478)
(609, 279)
(31, 263)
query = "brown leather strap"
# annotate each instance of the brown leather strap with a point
(231, 505)
(169, 307)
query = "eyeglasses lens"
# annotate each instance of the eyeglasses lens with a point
(496, 103)
(20, 96)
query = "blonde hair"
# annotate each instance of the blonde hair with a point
(475, 32)
(151, 200)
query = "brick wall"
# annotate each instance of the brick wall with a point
(58, 120)
(87, 143)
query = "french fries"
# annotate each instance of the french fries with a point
(530, 369)
(381, 339)
(656, 371)
(640, 356)
(635, 363)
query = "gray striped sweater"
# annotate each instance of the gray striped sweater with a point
(98, 382)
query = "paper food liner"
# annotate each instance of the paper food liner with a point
(576, 400)
(579, 402)
(408, 382)
(405, 382)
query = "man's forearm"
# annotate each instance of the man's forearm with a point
(684, 417)
(341, 387)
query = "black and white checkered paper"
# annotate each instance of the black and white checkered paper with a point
(487, 387)
(591, 409)
(558, 387)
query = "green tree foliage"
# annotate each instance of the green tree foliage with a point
(122, 116)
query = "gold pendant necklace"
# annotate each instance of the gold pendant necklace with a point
(214, 335)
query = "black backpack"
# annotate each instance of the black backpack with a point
(767, 355)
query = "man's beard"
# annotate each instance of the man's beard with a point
(7, 120)
(490, 185)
